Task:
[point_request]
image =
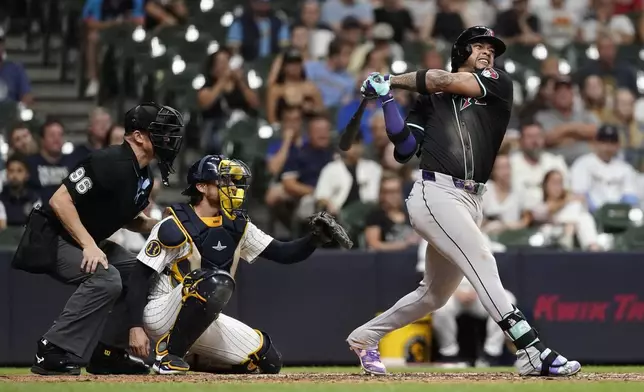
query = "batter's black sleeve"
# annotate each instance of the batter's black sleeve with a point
(90, 177)
(137, 293)
(495, 85)
(290, 252)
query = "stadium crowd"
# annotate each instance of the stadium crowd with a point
(574, 143)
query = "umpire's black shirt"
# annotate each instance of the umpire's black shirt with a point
(460, 136)
(109, 190)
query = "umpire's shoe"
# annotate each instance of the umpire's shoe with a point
(110, 360)
(53, 361)
(170, 364)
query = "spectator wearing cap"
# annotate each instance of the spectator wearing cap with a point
(603, 21)
(292, 88)
(518, 26)
(161, 13)
(531, 163)
(320, 34)
(335, 11)
(614, 72)
(568, 130)
(18, 199)
(331, 77)
(14, 82)
(100, 15)
(559, 24)
(258, 32)
(381, 42)
(601, 177)
(396, 15)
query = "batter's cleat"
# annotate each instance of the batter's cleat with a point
(170, 364)
(110, 360)
(549, 363)
(370, 361)
(51, 360)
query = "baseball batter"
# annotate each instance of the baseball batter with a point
(456, 127)
(187, 267)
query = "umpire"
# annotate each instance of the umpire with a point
(66, 239)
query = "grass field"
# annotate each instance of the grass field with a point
(337, 379)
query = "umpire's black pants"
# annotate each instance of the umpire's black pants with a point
(96, 311)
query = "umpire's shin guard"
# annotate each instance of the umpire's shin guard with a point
(205, 294)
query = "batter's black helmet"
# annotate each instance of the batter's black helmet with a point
(462, 49)
(164, 125)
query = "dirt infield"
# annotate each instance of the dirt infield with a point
(328, 378)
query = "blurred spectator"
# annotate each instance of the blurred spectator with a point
(632, 137)
(388, 227)
(100, 122)
(518, 25)
(593, 94)
(334, 82)
(381, 149)
(115, 135)
(14, 82)
(568, 129)
(433, 59)
(541, 101)
(600, 177)
(577, 7)
(21, 141)
(351, 33)
(466, 301)
(160, 13)
(348, 180)
(335, 11)
(563, 216)
(501, 203)
(530, 165)
(303, 167)
(50, 166)
(300, 41)
(258, 32)
(320, 34)
(17, 198)
(447, 23)
(479, 12)
(420, 11)
(292, 88)
(615, 73)
(550, 67)
(100, 15)
(603, 21)
(627, 6)
(381, 45)
(394, 13)
(225, 92)
(558, 24)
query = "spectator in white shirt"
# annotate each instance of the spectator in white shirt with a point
(558, 24)
(601, 177)
(348, 180)
(603, 21)
(531, 163)
(501, 203)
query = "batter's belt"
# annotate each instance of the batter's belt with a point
(469, 186)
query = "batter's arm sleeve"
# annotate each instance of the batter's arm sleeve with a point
(163, 246)
(253, 242)
(137, 293)
(289, 252)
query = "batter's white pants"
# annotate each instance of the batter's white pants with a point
(448, 219)
(226, 341)
(446, 331)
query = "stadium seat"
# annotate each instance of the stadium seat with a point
(633, 239)
(8, 115)
(516, 238)
(613, 218)
(353, 217)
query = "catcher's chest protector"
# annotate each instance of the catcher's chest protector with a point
(216, 241)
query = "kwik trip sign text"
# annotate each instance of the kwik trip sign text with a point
(622, 308)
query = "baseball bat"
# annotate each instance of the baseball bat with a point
(350, 132)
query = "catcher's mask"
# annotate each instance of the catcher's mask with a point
(462, 48)
(231, 176)
(164, 126)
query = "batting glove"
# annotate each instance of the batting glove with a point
(376, 85)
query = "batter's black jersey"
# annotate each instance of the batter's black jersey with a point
(460, 136)
(109, 190)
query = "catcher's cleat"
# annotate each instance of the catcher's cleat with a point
(546, 364)
(370, 361)
(171, 364)
(51, 360)
(109, 360)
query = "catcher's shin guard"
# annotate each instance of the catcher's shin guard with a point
(205, 294)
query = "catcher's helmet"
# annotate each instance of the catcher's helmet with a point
(231, 175)
(164, 125)
(462, 49)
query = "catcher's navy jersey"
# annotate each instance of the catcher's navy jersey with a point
(460, 136)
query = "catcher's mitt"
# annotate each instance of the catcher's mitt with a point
(326, 229)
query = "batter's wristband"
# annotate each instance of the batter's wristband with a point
(421, 85)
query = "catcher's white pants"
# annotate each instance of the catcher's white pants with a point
(226, 341)
(445, 327)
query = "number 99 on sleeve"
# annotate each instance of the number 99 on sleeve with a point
(83, 183)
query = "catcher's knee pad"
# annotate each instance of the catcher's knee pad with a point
(205, 294)
(522, 334)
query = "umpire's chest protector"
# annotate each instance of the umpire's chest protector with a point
(215, 238)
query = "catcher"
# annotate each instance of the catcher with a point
(186, 271)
